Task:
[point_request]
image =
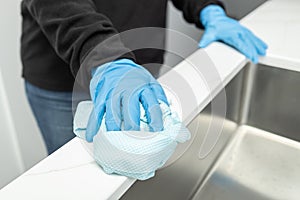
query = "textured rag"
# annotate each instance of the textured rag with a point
(135, 154)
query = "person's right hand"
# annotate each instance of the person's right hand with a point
(117, 89)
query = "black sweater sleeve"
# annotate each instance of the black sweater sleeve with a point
(75, 29)
(191, 9)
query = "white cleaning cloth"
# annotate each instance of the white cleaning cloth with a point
(135, 154)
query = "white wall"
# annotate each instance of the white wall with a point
(20, 127)
(10, 154)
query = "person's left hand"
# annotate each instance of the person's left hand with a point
(219, 27)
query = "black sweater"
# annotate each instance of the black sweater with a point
(59, 37)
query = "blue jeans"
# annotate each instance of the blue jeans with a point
(53, 113)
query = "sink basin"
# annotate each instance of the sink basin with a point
(257, 155)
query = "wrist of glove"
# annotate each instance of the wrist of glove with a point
(219, 27)
(117, 89)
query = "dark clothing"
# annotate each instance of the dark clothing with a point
(62, 36)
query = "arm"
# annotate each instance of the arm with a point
(82, 37)
(74, 29)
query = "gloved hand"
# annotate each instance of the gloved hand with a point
(117, 89)
(219, 27)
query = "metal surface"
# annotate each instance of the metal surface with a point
(255, 157)
(275, 102)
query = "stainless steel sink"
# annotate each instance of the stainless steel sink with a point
(257, 155)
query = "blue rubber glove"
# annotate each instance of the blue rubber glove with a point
(219, 27)
(117, 89)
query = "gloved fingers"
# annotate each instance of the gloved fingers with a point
(152, 109)
(252, 52)
(159, 92)
(113, 118)
(242, 44)
(94, 123)
(131, 111)
(209, 36)
(260, 45)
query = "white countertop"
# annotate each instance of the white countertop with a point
(71, 173)
(277, 22)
